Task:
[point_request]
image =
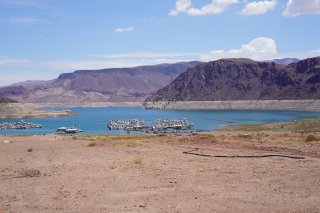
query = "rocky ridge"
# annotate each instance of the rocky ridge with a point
(244, 79)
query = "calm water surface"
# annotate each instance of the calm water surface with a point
(94, 120)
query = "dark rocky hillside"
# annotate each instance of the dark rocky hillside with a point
(106, 85)
(4, 100)
(244, 79)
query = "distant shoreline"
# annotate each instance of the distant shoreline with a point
(93, 104)
(294, 105)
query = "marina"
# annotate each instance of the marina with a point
(133, 124)
(158, 125)
(19, 125)
(164, 124)
(94, 120)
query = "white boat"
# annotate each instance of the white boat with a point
(68, 130)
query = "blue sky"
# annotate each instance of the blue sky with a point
(39, 39)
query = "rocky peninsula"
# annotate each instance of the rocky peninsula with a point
(19, 110)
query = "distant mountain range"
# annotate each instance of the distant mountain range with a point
(225, 79)
(286, 61)
(106, 85)
(245, 79)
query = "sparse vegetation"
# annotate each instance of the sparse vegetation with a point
(306, 126)
(254, 128)
(137, 160)
(30, 150)
(92, 144)
(132, 144)
(302, 126)
(245, 136)
(310, 138)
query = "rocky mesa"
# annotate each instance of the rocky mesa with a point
(98, 86)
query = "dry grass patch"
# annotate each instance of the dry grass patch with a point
(254, 128)
(133, 144)
(245, 136)
(137, 160)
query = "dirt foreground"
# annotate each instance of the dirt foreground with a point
(121, 173)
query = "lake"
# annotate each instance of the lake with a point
(93, 120)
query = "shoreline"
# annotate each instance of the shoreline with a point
(302, 125)
(312, 105)
(209, 172)
(292, 105)
(93, 104)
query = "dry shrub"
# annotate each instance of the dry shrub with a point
(92, 144)
(137, 160)
(311, 138)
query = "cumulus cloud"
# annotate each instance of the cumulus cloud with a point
(299, 7)
(181, 6)
(124, 30)
(259, 48)
(258, 7)
(215, 7)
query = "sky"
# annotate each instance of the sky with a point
(39, 39)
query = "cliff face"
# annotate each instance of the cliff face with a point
(106, 85)
(244, 79)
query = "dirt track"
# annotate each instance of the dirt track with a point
(135, 174)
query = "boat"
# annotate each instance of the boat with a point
(68, 130)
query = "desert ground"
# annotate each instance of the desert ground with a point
(151, 173)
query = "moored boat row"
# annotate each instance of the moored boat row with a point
(158, 125)
(18, 125)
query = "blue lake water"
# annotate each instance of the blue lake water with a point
(94, 120)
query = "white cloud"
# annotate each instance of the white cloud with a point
(8, 78)
(181, 6)
(8, 60)
(26, 21)
(215, 7)
(259, 49)
(124, 30)
(147, 54)
(299, 7)
(258, 7)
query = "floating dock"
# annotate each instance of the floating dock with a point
(164, 124)
(18, 125)
(134, 125)
(158, 125)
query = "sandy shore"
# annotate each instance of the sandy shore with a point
(50, 173)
